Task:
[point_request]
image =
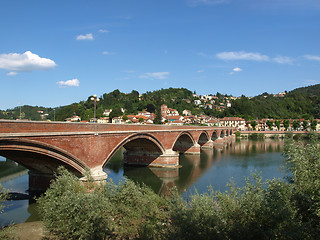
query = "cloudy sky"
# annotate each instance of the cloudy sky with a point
(53, 53)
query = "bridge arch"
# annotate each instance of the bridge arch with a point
(40, 157)
(222, 134)
(214, 136)
(183, 142)
(203, 138)
(141, 149)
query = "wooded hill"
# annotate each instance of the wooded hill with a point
(298, 103)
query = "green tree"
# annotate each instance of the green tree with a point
(296, 124)
(313, 125)
(253, 124)
(116, 112)
(150, 108)
(277, 123)
(125, 117)
(269, 124)
(286, 124)
(305, 125)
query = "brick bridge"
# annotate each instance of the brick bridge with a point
(43, 146)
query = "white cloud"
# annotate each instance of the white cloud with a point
(25, 62)
(70, 83)
(88, 36)
(237, 69)
(312, 57)
(155, 75)
(242, 56)
(206, 2)
(107, 53)
(200, 71)
(11, 73)
(283, 60)
(103, 31)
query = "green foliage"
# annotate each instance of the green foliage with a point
(256, 136)
(304, 163)
(69, 212)
(72, 211)
(305, 125)
(295, 125)
(269, 124)
(313, 125)
(286, 124)
(298, 103)
(3, 197)
(253, 124)
(116, 112)
(256, 211)
(6, 232)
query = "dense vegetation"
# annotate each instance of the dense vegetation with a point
(293, 105)
(299, 103)
(275, 209)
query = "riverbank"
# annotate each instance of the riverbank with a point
(26, 231)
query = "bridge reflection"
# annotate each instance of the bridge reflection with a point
(161, 180)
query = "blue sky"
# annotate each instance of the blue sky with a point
(54, 53)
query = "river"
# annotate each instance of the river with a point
(213, 168)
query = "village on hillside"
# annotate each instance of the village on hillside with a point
(170, 116)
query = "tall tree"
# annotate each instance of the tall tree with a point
(253, 124)
(296, 125)
(286, 124)
(269, 124)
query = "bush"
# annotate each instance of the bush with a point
(3, 197)
(304, 163)
(256, 211)
(256, 136)
(125, 211)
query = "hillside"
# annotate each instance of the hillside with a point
(298, 103)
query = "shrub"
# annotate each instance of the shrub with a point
(125, 211)
(3, 197)
(256, 136)
(304, 163)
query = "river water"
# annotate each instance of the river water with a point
(213, 168)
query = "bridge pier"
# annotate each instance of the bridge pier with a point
(169, 158)
(194, 150)
(207, 145)
(218, 142)
(39, 182)
(97, 175)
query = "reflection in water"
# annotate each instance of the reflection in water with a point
(14, 178)
(213, 167)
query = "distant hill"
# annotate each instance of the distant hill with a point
(310, 90)
(299, 103)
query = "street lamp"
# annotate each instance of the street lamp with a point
(94, 99)
(54, 114)
(20, 110)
